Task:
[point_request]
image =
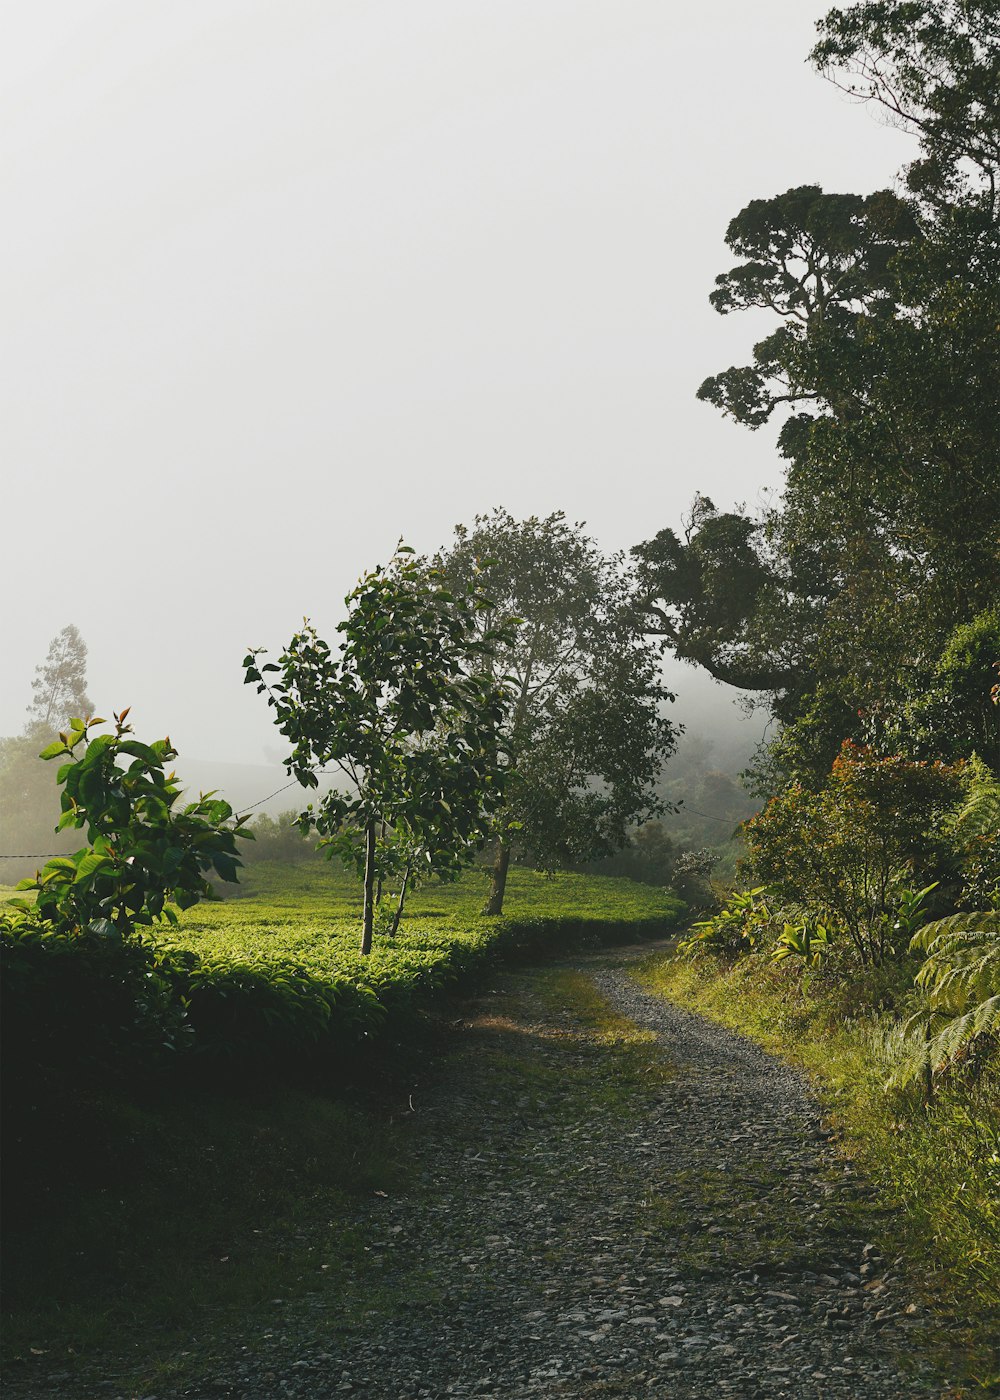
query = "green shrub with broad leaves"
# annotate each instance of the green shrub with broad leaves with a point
(147, 853)
(848, 852)
(739, 927)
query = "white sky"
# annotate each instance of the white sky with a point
(287, 280)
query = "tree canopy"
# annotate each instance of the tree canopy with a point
(409, 709)
(586, 736)
(60, 684)
(884, 368)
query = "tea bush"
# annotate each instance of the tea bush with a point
(273, 976)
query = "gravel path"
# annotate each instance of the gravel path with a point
(591, 1212)
(707, 1242)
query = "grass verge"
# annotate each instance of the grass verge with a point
(937, 1170)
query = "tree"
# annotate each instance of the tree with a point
(885, 363)
(60, 684)
(29, 802)
(409, 709)
(933, 68)
(849, 849)
(954, 714)
(585, 738)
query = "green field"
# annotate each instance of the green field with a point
(309, 914)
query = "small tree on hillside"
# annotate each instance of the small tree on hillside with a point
(408, 709)
(586, 737)
(29, 801)
(60, 684)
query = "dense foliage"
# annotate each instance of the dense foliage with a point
(844, 602)
(146, 852)
(861, 609)
(846, 851)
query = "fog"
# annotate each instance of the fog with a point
(286, 282)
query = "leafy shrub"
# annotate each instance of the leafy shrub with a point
(85, 999)
(277, 983)
(955, 715)
(146, 852)
(647, 857)
(691, 877)
(974, 829)
(275, 1010)
(739, 927)
(848, 851)
(809, 941)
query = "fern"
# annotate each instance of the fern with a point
(979, 814)
(960, 981)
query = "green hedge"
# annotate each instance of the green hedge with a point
(100, 1000)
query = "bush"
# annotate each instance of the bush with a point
(647, 857)
(974, 830)
(958, 1019)
(98, 1001)
(90, 999)
(739, 927)
(277, 838)
(848, 851)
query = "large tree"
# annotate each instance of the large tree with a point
(586, 736)
(885, 364)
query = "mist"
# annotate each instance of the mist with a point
(291, 283)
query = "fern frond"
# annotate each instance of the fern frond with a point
(983, 1019)
(933, 938)
(979, 814)
(972, 975)
(960, 979)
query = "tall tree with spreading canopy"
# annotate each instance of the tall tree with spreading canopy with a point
(585, 737)
(838, 601)
(409, 709)
(29, 802)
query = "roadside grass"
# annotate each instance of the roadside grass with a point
(151, 1213)
(936, 1172)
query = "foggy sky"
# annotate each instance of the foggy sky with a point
(286, 281)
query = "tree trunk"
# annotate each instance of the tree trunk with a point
(402, 898)
(494, 904)
(369, 914)
(378, 883)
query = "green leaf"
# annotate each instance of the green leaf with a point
(90, 864)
